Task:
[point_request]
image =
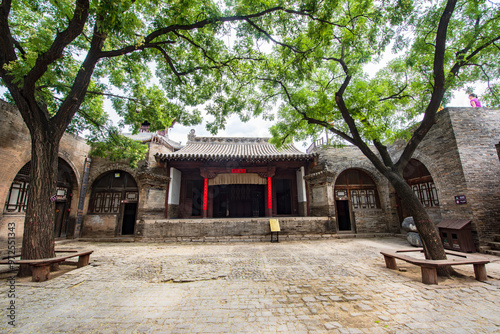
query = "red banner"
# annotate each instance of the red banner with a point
(269, 193)
(205, 195)
(240, 171)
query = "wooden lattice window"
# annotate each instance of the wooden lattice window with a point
(107, 202)
(17, 198)
(111, 190)
(363, 198)
(421, 182)
(359, 188)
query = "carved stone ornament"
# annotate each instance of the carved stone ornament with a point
(153, 178)
(324, 175)
(191, 135)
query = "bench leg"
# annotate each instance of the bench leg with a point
(40, 273)
(480, 272)
(83, 260)
(429, 275)
(390, 262)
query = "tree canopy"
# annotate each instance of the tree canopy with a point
(322, 69)
(75, 54)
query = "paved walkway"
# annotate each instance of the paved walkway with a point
(334, 286)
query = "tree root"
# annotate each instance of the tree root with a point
(448, 272)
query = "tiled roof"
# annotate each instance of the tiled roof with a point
(234, 148)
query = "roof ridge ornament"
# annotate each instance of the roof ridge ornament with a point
(191, 135)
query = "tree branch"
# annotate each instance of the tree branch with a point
(7, 42)
(74, 29)
(75, 97)
(396, 95)
(437, 91)
(256, 27)
(309, 120)
(196, 45)
(462, 62)
(186, 27)
(169, 62)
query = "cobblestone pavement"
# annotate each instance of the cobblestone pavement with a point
(333, 286)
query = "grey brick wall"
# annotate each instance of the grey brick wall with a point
(331, 163)
(161, 230)
(460, 152)
(478, 131)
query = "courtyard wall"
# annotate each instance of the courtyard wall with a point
(15, 152)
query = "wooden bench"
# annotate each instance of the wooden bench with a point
(429, 267)
(57, 251)
(41, 267)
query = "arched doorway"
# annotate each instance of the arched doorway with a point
(116, 193)
(420, 180)
(354, 190)
(17, 198)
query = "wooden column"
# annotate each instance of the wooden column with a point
(480, 271)
(429, 275)
(205, 198)
(269, 209)
(390, 262)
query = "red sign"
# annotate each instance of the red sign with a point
(241, 171)
(205, 195)
(269, 193)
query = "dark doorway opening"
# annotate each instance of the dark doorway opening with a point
(129, 218)
(343, 216)
(195, 191)
(238, 200)
(60, 222)
(283, 197)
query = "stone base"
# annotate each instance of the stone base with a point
(173, 211)
(250, 228)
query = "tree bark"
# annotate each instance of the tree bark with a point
(433, 247)
(38, 238)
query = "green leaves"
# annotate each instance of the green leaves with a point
(124, 43)
(117, 147)
(343, 38)
(306, 63)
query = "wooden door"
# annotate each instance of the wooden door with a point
(343, 216)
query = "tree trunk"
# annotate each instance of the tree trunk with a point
(38, 238)
(433, 247)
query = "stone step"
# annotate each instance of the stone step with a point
(491, 251)
(123, 239)
(496, 238)
(495, 245)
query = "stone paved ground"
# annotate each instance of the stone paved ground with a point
(334, 286)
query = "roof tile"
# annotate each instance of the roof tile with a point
(234, 148)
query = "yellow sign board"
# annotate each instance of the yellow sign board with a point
(275, 225)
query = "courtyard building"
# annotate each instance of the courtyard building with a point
(215, 188)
